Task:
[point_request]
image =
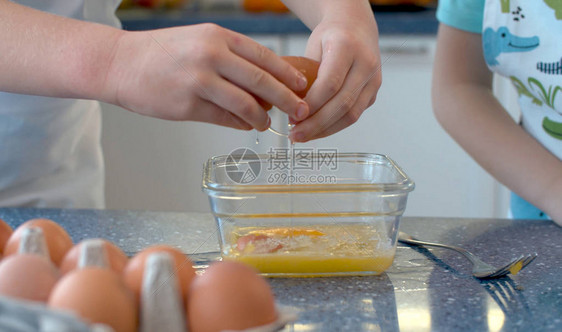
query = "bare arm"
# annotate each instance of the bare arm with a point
(345, 38)
(199, 73)
(465, 106)
(49, 55)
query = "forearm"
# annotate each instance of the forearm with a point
(312, 12)
(474, 118)
(49, 55)
(467, 109)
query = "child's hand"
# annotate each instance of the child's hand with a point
(349, 75)
(202, 73)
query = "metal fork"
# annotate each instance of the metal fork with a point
(480, 269)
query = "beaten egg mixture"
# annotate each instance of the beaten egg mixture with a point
(322, 250)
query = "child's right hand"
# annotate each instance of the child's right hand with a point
(202, 73)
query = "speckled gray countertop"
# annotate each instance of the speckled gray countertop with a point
(425, 290)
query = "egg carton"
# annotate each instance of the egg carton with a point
(161, 307)
(28, 316)
(17, 315)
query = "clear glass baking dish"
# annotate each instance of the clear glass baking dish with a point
(316, 214)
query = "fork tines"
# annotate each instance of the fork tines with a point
(504, 270)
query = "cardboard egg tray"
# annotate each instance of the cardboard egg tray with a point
(161, 307)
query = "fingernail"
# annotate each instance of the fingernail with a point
(302, 110)
(301, 81)
(268, 123)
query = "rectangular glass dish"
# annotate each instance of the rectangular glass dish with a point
(323, 215)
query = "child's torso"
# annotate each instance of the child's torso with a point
(522, 40)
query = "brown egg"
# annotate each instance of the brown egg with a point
(229, 296)
(116, 257)
(5, 233)
(97, 295)
(58, 240)
(27, 277)
(308, 67)
(133, 273)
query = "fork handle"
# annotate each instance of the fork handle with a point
(416, 242)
